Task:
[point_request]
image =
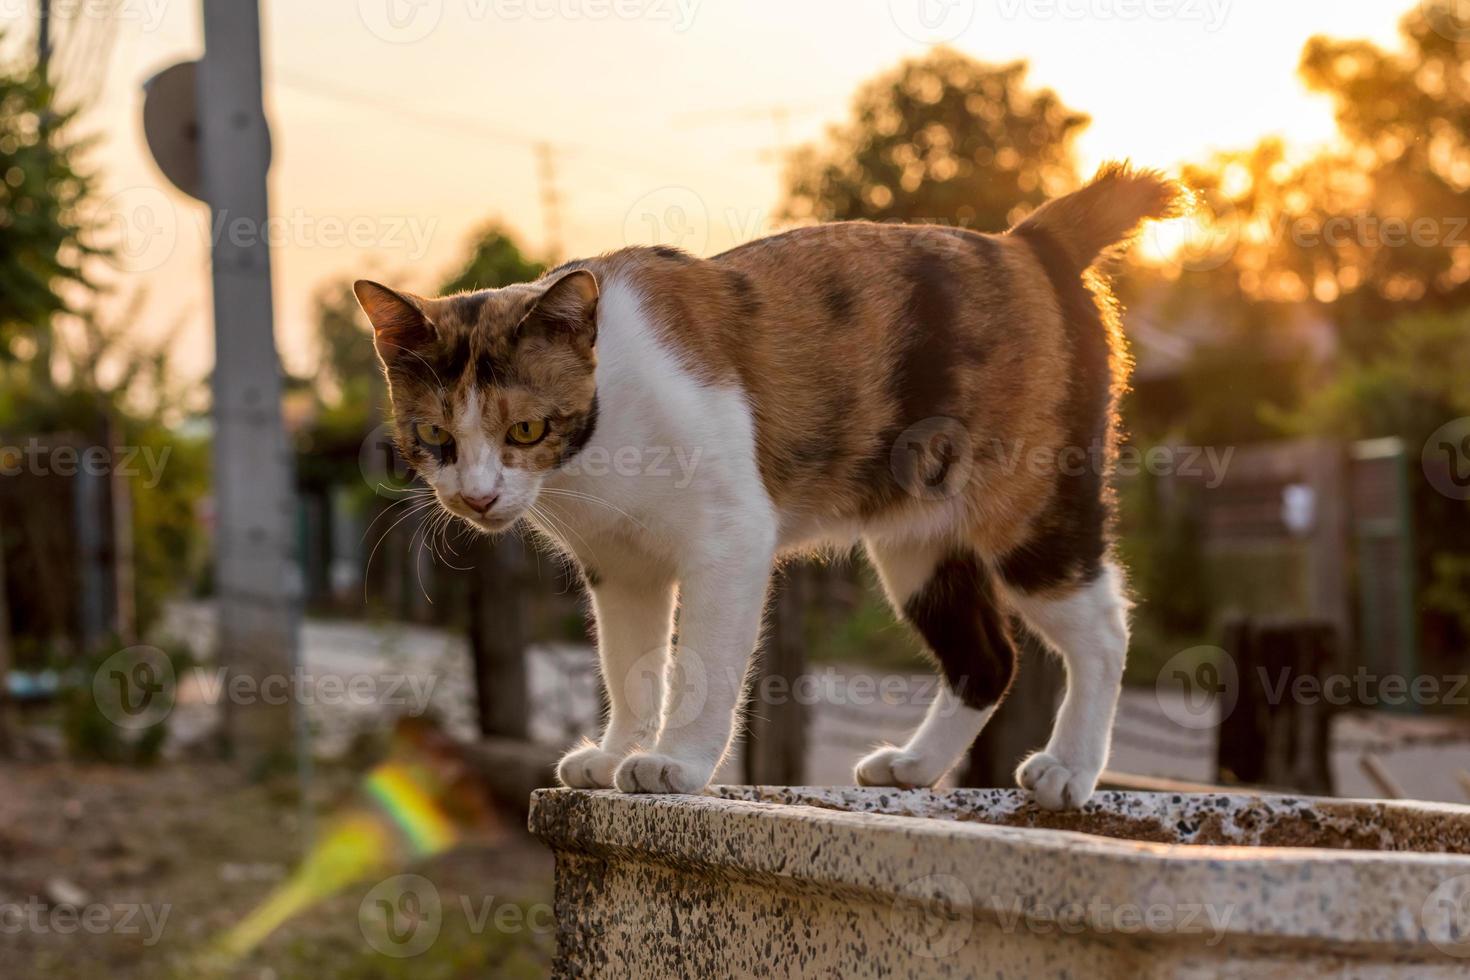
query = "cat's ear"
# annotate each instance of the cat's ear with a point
(398, 319)
(568, 308)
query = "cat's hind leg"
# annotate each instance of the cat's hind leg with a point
(1087, 624)
(949, 596)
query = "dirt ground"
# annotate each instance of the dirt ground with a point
(129, 873)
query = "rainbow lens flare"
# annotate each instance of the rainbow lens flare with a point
(400, 817)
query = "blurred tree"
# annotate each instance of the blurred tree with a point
(1372, 227)
(949, 140)
(42, 229)
(494, 260)
(941, 138)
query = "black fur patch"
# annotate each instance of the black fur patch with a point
(748, 303)
(669, 252)
(466, 309)
(957, 614)
(583, 426)
(1070, 538)
(922, 382)
(838, 298)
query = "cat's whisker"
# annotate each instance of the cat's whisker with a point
(388, 510)
(367, 570)
(417, 557)
(579, 495)
(561, 527)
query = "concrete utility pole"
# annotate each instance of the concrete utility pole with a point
(43, 33)
(253, 481)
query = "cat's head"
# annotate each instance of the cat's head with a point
(492, 390)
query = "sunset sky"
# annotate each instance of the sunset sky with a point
(399, 125)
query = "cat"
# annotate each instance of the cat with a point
(945, 397)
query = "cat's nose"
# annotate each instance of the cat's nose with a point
(480, 505)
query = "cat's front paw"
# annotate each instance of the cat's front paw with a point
(649, 772)
(1057, 785)
(891, 766)
(587, 768)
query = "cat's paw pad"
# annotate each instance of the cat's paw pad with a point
(587, 768)
(1057, 785)
(649, 772)
(892, 766)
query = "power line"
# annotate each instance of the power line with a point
(465, 125)
(550, 201)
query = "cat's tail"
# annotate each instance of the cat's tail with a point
(1104, 214)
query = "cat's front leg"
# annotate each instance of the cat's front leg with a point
(634, 619)
(721, 597)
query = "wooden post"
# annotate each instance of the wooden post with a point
(498, 638)
(1024, 721)
(6, 658)
(775, 731)
(253, 489)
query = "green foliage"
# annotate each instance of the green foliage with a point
(1415, 385)
(942, 138)
(495, 260)
(41, 193)
(91, 736)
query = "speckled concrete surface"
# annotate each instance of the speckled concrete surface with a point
(754, 882)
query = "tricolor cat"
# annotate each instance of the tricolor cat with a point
(845, 383)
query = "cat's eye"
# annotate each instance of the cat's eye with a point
(431, 435)
(527, 433)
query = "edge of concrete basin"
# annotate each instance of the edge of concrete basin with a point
(810, 875)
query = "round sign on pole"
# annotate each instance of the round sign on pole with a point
(171, 125)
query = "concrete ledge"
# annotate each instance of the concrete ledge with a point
(750, 881)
